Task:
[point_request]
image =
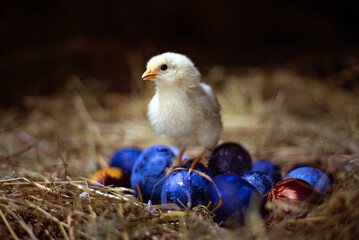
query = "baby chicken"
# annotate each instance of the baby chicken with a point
(184, 110)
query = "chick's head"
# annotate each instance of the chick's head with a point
(171, 68)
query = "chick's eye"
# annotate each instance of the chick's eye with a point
(164, 67)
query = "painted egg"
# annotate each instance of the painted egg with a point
(111, 176)
(125, 158)
(267, 166)
(184, 189)
(229, 158)
(150, 167)
(290, 194)
(237, 195)
(314, 176)
(260, 180)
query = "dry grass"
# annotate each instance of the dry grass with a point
(49, 148)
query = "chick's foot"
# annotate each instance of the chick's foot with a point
(201, 158)
(177, 163)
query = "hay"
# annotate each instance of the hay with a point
(49, 148)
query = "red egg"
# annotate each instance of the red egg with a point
(292, 195)
(111, 176)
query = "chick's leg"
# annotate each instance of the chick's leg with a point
(177, 163)
(201, 158)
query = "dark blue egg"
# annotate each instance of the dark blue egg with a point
(238, 197)
(229, 158)
(260, 180)
(267, 166)
(184, 189)
(150, 167)
(125, 158)
(318, 179)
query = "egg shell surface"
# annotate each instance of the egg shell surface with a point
(260, 180)
(313, 176)
(150, 167)
(292, 192)
(110, 176)
(185, 189)
(229, 158)
(125, 158)
(267, 166)
(237, 196)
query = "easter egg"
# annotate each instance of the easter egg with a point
(290, 194)
(111, 176)
(184, 189)
(125, 158)
(229, 158)
(260, 180)
(150, 167)
(267, 166)
(318, 179)
(238, 197)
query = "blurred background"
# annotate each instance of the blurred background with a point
(43, 42)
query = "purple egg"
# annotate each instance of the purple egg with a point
(229, 158)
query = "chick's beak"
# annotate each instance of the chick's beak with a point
(149, 75)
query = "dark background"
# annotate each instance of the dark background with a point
(42, 42)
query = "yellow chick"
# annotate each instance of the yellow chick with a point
(184, 110)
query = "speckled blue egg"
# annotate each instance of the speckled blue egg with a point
(150, 167)
(318, 179)
(125, 158)
(229, 158)
(184, 189)
(260, 180)
(267, 166)
(237, 195)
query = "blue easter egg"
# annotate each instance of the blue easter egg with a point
(267, 166)
(238, 197)
(318, 179)
(184, 189)
(150, 167)
(125, 158)
(229, 158)
(260, 180)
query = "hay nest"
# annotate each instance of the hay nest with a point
(51, 146)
